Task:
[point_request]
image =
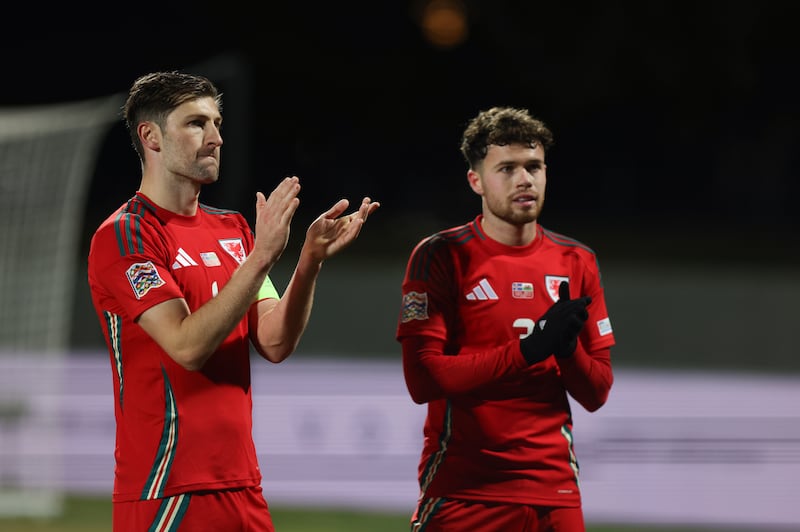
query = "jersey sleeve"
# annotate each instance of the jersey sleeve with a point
(128, 258)
(597, 334)
(588, 375)
(425, 291)
(427, 311)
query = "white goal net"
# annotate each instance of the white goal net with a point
(47, 157)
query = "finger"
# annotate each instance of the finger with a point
(261, 204)
(581, 314)
(363, 210)
(563, 290)
(338, 208)
(288, 188)
(578, 306)
(368, 207)
(573, 326)
(289, 210)
(288, 182)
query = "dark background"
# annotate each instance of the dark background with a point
(675, 122)
(677, 114)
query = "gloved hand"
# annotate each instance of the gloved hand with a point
(556, 332)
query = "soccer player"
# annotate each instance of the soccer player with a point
(501, 320)
(182, 290)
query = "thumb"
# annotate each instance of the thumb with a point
(563, 291)
(261, 203)
(261, 200)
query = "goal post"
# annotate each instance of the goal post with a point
(48, 155)
(47, 158)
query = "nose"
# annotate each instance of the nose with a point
(215, 135)
(525, 178)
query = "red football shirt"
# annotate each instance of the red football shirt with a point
(497, 430)
(177, 430)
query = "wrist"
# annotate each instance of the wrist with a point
(307, 263)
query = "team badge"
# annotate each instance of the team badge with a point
(415, 306)
(143, 276)
(234, 248)
(521, 290)
(552, 282)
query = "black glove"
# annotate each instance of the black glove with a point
(556, 332)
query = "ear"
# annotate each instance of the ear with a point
(474, 179)
(150, 135)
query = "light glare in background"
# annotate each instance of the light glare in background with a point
(444, 23)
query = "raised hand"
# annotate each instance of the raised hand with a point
(274, 217)
(573, 323)
(556, 332)
(331, 232)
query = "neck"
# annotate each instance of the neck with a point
(508, 233)
(180, 197)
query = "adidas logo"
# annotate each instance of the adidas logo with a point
(482, 292)
(182, 259)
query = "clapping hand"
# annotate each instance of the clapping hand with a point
(331, 232)
(556, 332)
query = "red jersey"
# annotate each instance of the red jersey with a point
(176, 430)
(496, 429)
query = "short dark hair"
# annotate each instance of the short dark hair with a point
(154, 96)
(502, 126)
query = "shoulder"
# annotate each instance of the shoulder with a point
(216, 211)
(436, 255)
(569, 247)
(451, 237)
(224, 216)
(568, 244)
(126, 228)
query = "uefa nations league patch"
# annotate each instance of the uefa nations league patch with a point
(143, 276)
(415, 306)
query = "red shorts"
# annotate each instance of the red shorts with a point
(239, 510)
(446, 515)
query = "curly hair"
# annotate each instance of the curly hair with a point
(152, 97)
(502, 126)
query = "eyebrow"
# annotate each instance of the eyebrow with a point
(513, 162)
(203, 116)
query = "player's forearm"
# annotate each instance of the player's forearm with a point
(202, 332)
(280, 330)
(430, 374)
(588, 377)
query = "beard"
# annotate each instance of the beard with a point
(203, 172)
(198, 167)
(510, 214)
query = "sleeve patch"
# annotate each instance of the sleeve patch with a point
(415, 306)
(143, 276)
(604, 326)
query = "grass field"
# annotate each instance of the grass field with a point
(94, 515)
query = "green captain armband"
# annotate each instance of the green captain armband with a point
(267, 290)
